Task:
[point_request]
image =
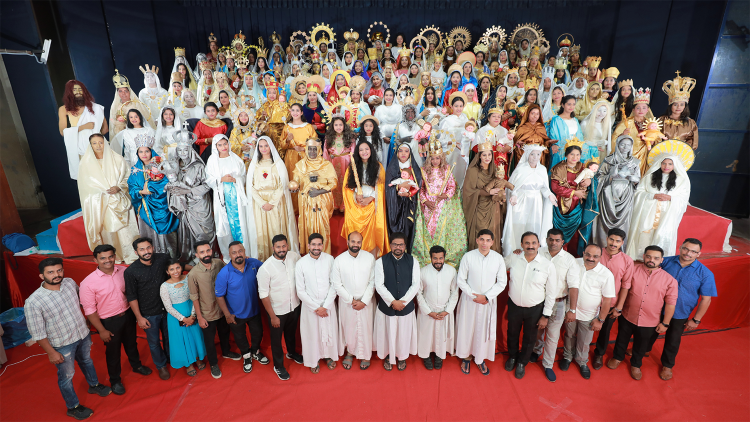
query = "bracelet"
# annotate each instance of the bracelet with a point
(619, 311)
(696, 321)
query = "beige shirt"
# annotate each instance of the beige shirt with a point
(202, 283)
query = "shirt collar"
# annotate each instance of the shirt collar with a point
(101, 273)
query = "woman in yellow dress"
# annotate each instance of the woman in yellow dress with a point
(364, 200)
(593, 94)
(242, 139)
(274, 113)
(636, 124)
(296, 133)
(472, 109)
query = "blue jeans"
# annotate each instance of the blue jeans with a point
(158, 354)
(80, 352)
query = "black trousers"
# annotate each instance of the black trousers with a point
(603, 340)
(240, 333)
(209, 339)
(641, 340)
(672, 339)
(287, 328)
(527, 318)
(123, 329)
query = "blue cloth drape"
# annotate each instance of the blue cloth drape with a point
(153, 209)
(569, 222)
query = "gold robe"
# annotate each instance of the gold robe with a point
(473, 110)
(315, 213)
(369, 220)
(238, 138)
(276, 116)
(300, 135)
(685, 132)
(266, 187)
(640, 150)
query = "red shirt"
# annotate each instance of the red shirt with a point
(621, 265)
(647, 295)
(203, 132)
(563, 192)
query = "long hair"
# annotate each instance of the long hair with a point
(140, 116)
(302, 115)
(69, 100)
(564, 100)
(432, 103)
(629, 104)
(376, 138)
(373, 168)
(331, 134)
(657, 176)
(684, 116)
(260, 155)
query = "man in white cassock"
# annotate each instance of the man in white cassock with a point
(353, 277)
(319, 326)
(481, 278)
(437, 298)
(397, 283)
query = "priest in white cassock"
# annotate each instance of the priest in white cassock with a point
(353, 277)
(397, 282)
(319, 326)
(481, 278)
(437, 298)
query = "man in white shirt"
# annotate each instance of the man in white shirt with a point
(353, 277)
(397, 283)
(481, 278)
(531, 298)
(437, 298)
(595, 294)
(319, 325)
(278, 292)
(567, 292)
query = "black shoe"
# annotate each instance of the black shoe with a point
(509, 364)
(215, 371)
(260, 357)
(232, 355)
(143, 370)
(100, 389)
(438, 363)
(80, 412)
(585, 371)
(534, 357)
(296, 357)
(550, 374)
(247, 364)
(428, 363)
(564, 365)
(282, 373)
(118, 388)
(520, 371)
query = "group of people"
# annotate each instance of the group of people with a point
(433, 154)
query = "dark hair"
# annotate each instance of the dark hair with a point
(174, 261)
(183, 65)
(529, 234)
(629, 103)
(394, 94)
(235, 243)
(301, 116)
(564, 100)
(453, 102)
(223, 91)
(314, 236)
(432, 103)
(570, 149)
(257, 150)
(482, 53)
(484, 232)
(376, 138)
(617, 232)
(684, 116)
(526, 96)
(103, 248)
(96, 135)
(555, 232)
(278, 238)
(400, 34)
(140, 240)
(330, 136)
(437, 249)
(594, 245)
(694, 241)
(654, 248)
(161, 116)
(658, 176)
(49, 262)
(372, 171)
(140, 116)
(210, 104)
(398, 235)
(201, 243)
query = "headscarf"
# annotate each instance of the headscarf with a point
(364, 70)
(177, 125)
(589, 122)
(528, 131)
(474, 99)
(384, 84)
(401, 210)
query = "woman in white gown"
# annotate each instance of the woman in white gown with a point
(124, 142)
(661, 199)
(597, 127)
(389, 115)
(167, 125)
(455, 124)
(530, 202)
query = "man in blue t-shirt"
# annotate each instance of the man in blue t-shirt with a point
(237, 296)
(697, 287)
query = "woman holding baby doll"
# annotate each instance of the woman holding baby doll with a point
(403, 179)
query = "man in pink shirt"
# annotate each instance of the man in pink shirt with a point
(103, 299)
(621, 266)
(639, 305)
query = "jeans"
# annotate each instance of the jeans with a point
(209, 339)
(159, 354)
(519, 316)
(287, 327)
(123, 329)
(672, 339)
(547, 339)
(80, 352)
(240, 333)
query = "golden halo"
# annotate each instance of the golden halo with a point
(387, 31)
(530, 31)
(672, 147)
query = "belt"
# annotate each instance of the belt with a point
(561, 299)
(116, 316)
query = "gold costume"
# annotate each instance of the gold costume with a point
(267, 187)
(237, 139)
(369, 220)
(686, 132)
(300, 135)
(275, 114)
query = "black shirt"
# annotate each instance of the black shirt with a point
(142, 283)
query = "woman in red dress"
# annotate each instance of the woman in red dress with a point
(206, 129)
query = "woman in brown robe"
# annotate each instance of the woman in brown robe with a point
(532, 131)
(484, 197)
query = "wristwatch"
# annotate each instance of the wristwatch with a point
(599, 319)
(666, 325)
(697, 322)
(572, 310)
(546, 316)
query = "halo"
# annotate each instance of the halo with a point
(672, 147)
(343, 104)
(543, 45)
(493, 33)
(316, 32)
(439, 133)
(564, 34)
(530, 31)
(298, 39)
(462, 34)
(419, 40)
(434, 31)
(387, 32)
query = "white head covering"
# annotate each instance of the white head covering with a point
(146, 86)
(159, 144)
(578, 92)
(185, 84)
(215, 169)
(548, 112)
(588, 125)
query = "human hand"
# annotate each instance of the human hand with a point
(514, 200)
(495, 191)
(596, 325)
(275, 322)
(554, 148)
(481, 299)
(188, 321)
(358, 305)
(690, 325)
(626, 131)
(230, 319)
(143, 323)
(321, 312)
(661, 328)
(228, 179)
(106, 336)
(570, 317)
(113, 190)
(267, 207)
(585, 183)
(542, 324)
(56, 357)
(613, 313)
(553, 200)
(202, 322)
(398, 305)
(433, 315)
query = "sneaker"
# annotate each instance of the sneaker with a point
(534, 357)
(296, 357)
(232, 355)
(80, 412)
(100, 389)
(260, 357)
(118, 388)
(281, 373)
(247, 365)
(215, 371)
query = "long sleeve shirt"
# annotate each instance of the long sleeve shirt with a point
(532, 283)
(276, 280)
(56, 315)
(313, 279)
(482, 275)
(438, 290)
(354, 277)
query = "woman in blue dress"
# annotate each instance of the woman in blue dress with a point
(565, 126)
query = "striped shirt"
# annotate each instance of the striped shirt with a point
(56, 315)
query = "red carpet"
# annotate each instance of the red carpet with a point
(700, 390)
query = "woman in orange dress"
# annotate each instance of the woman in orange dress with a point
(531, 131)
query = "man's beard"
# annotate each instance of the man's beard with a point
(207, 259)
(315, 252)
(398, 252)
(146, 257)
(438, 266)
(355, 249)
(280, 255)
(80, 101)
(651, 265)
(52, 282)
(239, 260)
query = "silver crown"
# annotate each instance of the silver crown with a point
(144, 140)
(184, 136)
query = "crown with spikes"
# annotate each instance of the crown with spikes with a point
(241, 36)
(626, 82)
(493, 110)
(561, 63)
(642, 96)
(611, 72)
(184, 136)
(405, 52)
(523, 63)
(512, 70)
(152, 69)
(179, 51)
(176, 77)
(242, 62)
(576, 49)
(574, 142)
(593, 61)
(679, 88)
(275, 38)
(435, 147)
(530, 83)
(230, 55)
(272, 84)
(211, 38)
(535, 51)
(548, 72)
(144, 140)
(485, 146)
(206, 66)
(120, 81)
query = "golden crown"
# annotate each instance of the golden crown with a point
(230, 55)
(566, 42)
(512, 70)
(535, 51)
(275, 38)
(530, 83)
(405, 52)
(176, 77)
(626, 82)
(642, 96)
(561, 63)
(372, 53)
(206, 66)
(485, 146)
(327, 36)
(351, 35)
(120, 81)
(152, 69)
(574, 142)
(593, 61)
(523, 63)
(679, 88)
(179, 51)
(484, 48)
(576, 49)
(493, 110)
(611, 72)
(242, 62)
(435, 147)
(211, 38)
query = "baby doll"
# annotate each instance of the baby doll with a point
(587, 173)
(467, 138)
(423, 137)
(404, 177)
(652, 134)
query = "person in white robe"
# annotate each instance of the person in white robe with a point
(661, 199)
(166, 129)
(225, 173)
(455, 124)
(437, 298)
(108, 215)
(125, 100)
(76, 138)
(389, 115)
(153, 95)
(530, 202)
(124, 142)
(481, 278)
(318, 321)
(397, 282)
(597, 127)
(190, 108)
(353, 277)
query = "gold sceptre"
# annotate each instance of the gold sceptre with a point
(356, 175)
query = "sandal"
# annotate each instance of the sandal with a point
(466, 366)
(387, 363)
(401, 364)
(201, 365)
(191, 371)
(364, 364)
(347, 363)
(483, 368)
(315, 370)
(330, 363)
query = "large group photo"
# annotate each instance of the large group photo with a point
(239, 218)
